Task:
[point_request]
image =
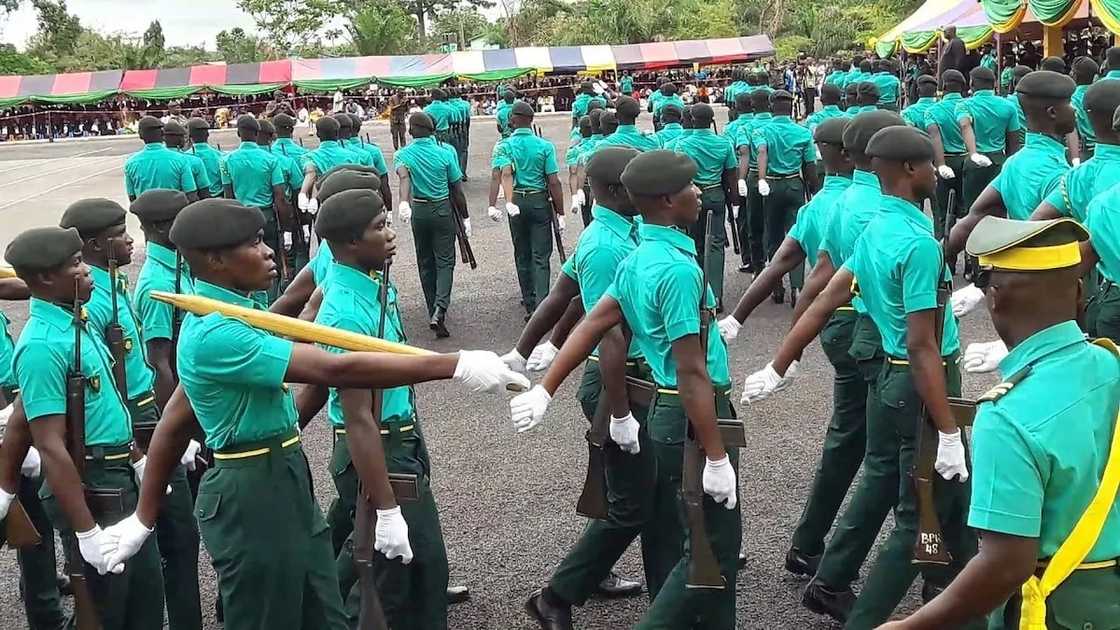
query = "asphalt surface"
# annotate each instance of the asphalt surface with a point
(506, 500)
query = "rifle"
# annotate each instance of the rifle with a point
(465, 250)
(556, 235)
(114, 332)
(734, 228)
(592, 501)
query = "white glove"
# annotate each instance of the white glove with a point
(719, 481)
(764, 188)
(624, 433)
(512, 209)
(6, 499)
(121, 541)
(966, 299)
(90, 544)
(514, 361)
(494, 214)
(950, 456)
(138, 467)
(541, 357)
(983, 357)
(729, 328)
(467, 227)
(575, 205)
(527, 410)
(484, 371)
(945, 172)
(32, 465)
(560, 222)
(390, 537)
(734, 211)
(579, 198)
(743, 188)
(1076, 162)
(189, 458)
(313, 206)
(767, 381)
(303, 202)
(404, 212)
(981, 160)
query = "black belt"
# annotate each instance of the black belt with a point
(422, 200)
(529, 192)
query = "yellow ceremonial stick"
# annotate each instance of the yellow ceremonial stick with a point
(7, 272)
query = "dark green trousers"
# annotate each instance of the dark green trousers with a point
(712, 203)
(893, 428)
(340, 515)
(629, 479)
(976, 178)
(1085, 600)
(955, 162)
(269, 542)
(414, 596)
(781, 205)
(844, 440)
(134, 598)
(751, 223)
(433, 231)
(531, 232)
(176, 533)
(677, 607)
(1103, 311)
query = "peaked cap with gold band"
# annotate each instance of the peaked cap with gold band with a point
(1026, 246)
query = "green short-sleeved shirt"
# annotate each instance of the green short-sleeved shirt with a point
(321, 263)
(838, 78)
(1084, 127)
(1080, 185)
(233, 374)
(212, 160)
(821, 115)
(1014, 100)
(328, 155)
(1031, 175)
(571, 154)
(1103, 222)
(746, 133)
(462, 108)
(1039, 451)
(156, 166)
(732, 91)
(897, 264)
(354, 146)
(854, 209)
(441, 114)
(140, 376)
(788, 146)
(915, 115)
(431, 168)
(629, 136)
(889, 87)
(1006, 77)
(579, 105)
(198, 169)
(666, 101)
(814, 216)
(7, 353)
(712, 154)
(943, 114)
(587, 148)
(290, 156)
(668, 133)
(533, 159)
(158, 274)
(992, 119)
(252, 172)
(501, 113)
(371, 152)
(658, 289)
(352, 304)
(626, 84)
(44, 358)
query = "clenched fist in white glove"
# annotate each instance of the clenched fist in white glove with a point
(121, 541)
(303, 201)
(966, 299)
(624, 433)
(1076, 162)
(404, 211)
(981, 160)
(390, 536)
(190, 455)
(575, 205)
(514, 360)
(138, 467)
(541, 357)
(527, 410)
(743, 188)
(494, 214)
(764, 188)
(579, 199)
(32, 465)
(467, 227)
(560, 222)
(950, 456)
(6, 499)
(766, 381)
(512, 209)
(729, 328)
(90, 543)
(945, 172)
(734, 211)
(719, 481)
(484, 371)
(983, 357)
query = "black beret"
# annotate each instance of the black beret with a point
(627, 107)
(215, 224)
(607, 164)
(1021, 71)
(266, 127)
(356, 122)
(831, 131)
(831, 89)
(668, 87)
(284, 121)
(1053, 64)
(671, 113)
(158, 204)
(43, 249)
(867, 88)
(197, 123)
(743, 100)
(92, 216)
(952, 76)
(900, 143)
(851, 88)
(659, 172)
(149, 122)
(347, 167)
(344, 121)
(780, 95)
(347, 180)
(173, 128)
(326, 126)
(1046, 84)
(439, 94)
(346, 213)
(863, 126)
(422, 121)
(1102, 96)
(982, 74)
(703, 112)
(521, 108)
(608, 118)
(926, 79)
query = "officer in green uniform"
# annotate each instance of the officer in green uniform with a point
(538, 194)
(658, 291)
(199, 132)
(671, 128)
(838, 75)
(441, 114)
(949, 149)
(1018, 73)
(464, 137)
(889, 85)
(831, 96)
(1084, 72)
(255, 178)
(290, 154)
(427, 180)
(751, 220)
(787, 170)
(175, 137)
(101, 224)
(501, 112)
(896, 267)
(329, 154)
(990, 129)
(347, 139)
(156, 166)
(626, 84)
(627, 133)
(669, 96)
(583, 97)
(867, 97)
(915, 114)
(1032, 482)
(741, 113)
(49, 260)
(266, 135)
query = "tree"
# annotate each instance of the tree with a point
(291, 24)
(58, 30)
(14, 62)
(237, 46)
(427, 9)
(386, 29)
(467, 23)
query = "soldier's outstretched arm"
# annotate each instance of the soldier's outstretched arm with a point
(786, 259)
(836, 294)
(548, 313)
(818, 279)
(606, 315)
(49, 435)
(295, 297)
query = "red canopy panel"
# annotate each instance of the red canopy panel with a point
(208, 74)
(59, 84)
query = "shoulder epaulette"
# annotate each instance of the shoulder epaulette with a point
(1001, 390)
(1106, 343)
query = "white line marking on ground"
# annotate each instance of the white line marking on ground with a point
(63, 157)
(53, 188)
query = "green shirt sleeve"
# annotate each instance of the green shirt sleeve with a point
(155, 318)
(239, 353)
(920, 273)
(1007, 485)
(1058, 197)
(678, 301)
(453, 172)
(378, 159)
(731, 161)
(809, 154)
(41, 369)
(550, 165)
(186, 178)
(277, 174)
(200, 176)
(129, 185)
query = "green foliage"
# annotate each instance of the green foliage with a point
(466, 22)
(787, 46)
(381, 30)
(14, 62)
(237, 46)
(291, 24)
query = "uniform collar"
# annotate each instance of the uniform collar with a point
(706, 131)
(835, 182)
(222, 294)
(984, 93)
(890, 203)
(1109, 152)
(162, 255)
(362, 283)
(595, 137)
(1113, 74)
(764, 116)
(1039, 140)
(283, 141)
(866, 178)
(427, 140)
(927, 99)
(205, 146)
(781, 119)
(831, 108)
(672, 126)
(627, 130)
(950, 96)
(354, 140)
(102, 280)
(523, 131)
(248, 146)
(617, 224)
(155, 146)
(671, 235)
(328, 144)
(1040, 344)
(56, 315)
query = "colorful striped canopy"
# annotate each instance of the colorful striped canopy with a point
(59, 85)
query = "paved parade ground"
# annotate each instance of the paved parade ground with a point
(507, 501)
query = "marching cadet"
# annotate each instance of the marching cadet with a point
(1044, 504)
(786, 157)
(889, 86)
(743, 114)
(948, 150)
(830, 107)
(266, 135)
(1084, 72)
(915, 114)
(441, 114)
(735, 88)
(537, 193)
(751, 214)
(427, 179)
(867, 98)
(586, 150)
(671, 128)
(50, 261)
(290, 155)
(658, 291)
(369, 152)
(199, 132)
(1018, 73)
(989, 127)
(626, 134)
(101, 225)
(175, 138)
(715, 178)
(501, 112)
(258, 499)
(896, 267)
(464, 108)
(583, 98)
(329, 154)
(347, 139)
(669, 96)
(838, 75)
(851, 96)
(155, 166)
(571, 160)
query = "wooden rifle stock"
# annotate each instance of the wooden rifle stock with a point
(114, 332)
(20, 532)
(465, 249)
(593, 499)
(556, 235)
(734, 229)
